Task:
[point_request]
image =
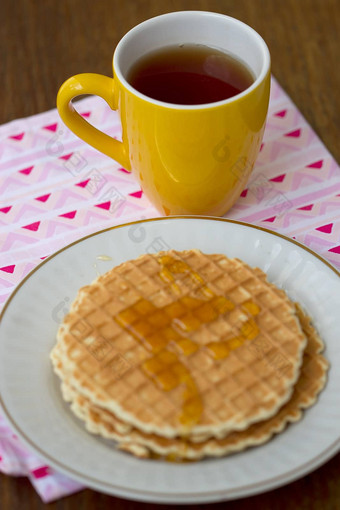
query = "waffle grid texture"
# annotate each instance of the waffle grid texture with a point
(104, 362)
(311, 381)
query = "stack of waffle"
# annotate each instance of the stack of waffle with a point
(182, 355)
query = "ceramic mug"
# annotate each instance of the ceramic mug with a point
(188, 159)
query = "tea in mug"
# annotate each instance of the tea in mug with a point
(189, 74)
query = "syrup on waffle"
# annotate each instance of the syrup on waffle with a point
(311, 381)
(169, 344)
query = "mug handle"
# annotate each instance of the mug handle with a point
(95, 84)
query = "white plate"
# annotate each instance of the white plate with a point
(30, 393)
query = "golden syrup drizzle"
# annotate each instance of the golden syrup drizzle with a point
(103, 258)
(249, 330)
(170, 457)
(155, 330)
(158, 328)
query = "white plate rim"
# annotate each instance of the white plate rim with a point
(169, 497)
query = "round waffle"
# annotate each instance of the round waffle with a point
(311, 381)
(183, 344)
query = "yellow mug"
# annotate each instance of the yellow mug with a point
(188, 159)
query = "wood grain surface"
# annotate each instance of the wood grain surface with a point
(43, 42)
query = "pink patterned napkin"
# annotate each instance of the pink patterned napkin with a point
(55, 189)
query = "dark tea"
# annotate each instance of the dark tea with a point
(189, 74)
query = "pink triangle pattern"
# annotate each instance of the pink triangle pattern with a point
(294, 134)
(279, 178)
(327, 229)
(5, 210)
(283, 121)
(70, 215)
(33, 226)
(306, 207)
(21, 213)
(60, 199)
(66, 157)
(51, 169)
(104, 205)
(43, 198)
(136, 194)
(292, 219)
(317, 164)
(281, 113)
(286, 145)
(26, 171)
(52, 127)
(8, 269)
(18, 137)
(324, 242)
(262, 187)
(83, 184)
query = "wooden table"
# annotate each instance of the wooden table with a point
(44, 42)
